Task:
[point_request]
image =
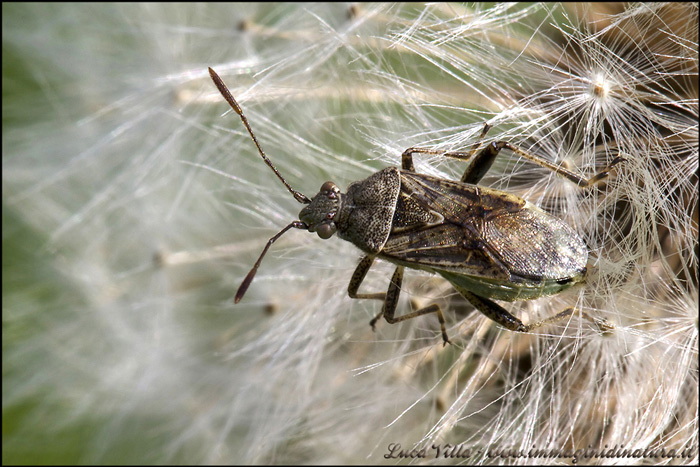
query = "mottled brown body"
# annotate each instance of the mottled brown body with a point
(487, 243)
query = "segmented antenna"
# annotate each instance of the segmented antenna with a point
(234, 105)
(297, 195)
(249, 278)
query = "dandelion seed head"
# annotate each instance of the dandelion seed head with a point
(600, 86)
(134, 204)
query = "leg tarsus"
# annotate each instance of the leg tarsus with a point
(552, 319)
(434, 308)
(373, 322)
(602, 324)
(603, 174)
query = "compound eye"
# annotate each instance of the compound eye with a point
(329, 187)
(326, 230)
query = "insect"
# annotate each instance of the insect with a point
(489, 244)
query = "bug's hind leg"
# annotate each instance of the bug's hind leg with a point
(560, 171)
(483, 161)
(494, 312)
(499, 314)
(391, 299)
(603, 324)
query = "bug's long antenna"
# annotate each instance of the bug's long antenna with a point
(249, 278)
(234, 105)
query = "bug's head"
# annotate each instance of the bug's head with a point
(319, 215)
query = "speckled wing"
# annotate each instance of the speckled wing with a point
(476, 231)
(535, 245)
(436, 227)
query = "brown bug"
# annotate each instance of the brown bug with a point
(489, 244)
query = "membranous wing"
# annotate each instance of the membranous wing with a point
(470, 230)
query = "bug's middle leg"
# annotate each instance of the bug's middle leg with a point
(392, 299)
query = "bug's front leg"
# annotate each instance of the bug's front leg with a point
(358, 276)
